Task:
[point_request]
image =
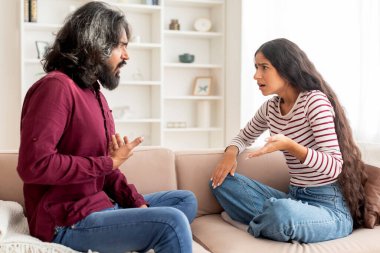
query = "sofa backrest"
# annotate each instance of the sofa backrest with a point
(194, 169)
(10, 182)
(150, 169)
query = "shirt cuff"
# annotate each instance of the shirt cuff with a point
(309, 157)
(107, 164)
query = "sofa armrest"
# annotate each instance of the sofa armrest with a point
(194, 169)
(11, 185)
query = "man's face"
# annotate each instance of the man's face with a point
(110, 75)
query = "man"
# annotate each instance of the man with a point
(69, 155)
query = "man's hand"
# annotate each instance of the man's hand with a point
(120, 149)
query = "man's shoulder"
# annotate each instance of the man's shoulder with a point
(57, 75)
(54, 82)
(57, 80)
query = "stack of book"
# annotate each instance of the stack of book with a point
(30, 10)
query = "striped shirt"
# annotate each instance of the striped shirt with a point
(310, 123)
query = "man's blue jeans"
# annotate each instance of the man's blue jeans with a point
(164, 226)
(305, 214)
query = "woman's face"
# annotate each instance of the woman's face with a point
(267, 77)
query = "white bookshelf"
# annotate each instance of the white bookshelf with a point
(155, 88)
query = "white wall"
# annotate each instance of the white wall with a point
(335, 35)
(233, 69)
(9, 72)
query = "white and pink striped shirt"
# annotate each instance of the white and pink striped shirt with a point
(310, 123)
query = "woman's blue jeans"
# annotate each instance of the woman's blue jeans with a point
(164, 226)
(305, 214)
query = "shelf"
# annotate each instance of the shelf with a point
(137, 120)
(192, 65)
(139, 8)
(133, 45)
(32, 61)
(194, 3)
(138, 83)
(29, 26)
(194, 98)
(192, 34)
(194, 129)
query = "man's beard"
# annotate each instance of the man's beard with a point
(108, 78)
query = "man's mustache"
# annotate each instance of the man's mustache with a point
(121, 64)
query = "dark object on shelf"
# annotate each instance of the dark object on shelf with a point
(32, 10)
(186, 58)
(174, 25)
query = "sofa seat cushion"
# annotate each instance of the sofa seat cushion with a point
(218, 236)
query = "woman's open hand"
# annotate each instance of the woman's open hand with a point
(274, 143)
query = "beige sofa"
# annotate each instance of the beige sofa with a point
(155, 169)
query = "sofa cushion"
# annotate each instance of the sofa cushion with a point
(193, 172)
(236, 224)
(220, 237)
(372, 190)
(151, 169)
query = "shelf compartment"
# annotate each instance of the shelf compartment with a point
(149, 130)
(135, 103)
(187, 112)
(179, 82)
(193, 139)
(144, 65)
(187, 11)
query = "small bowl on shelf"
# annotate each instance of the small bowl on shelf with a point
(186, 58)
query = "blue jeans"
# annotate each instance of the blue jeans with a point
(164, 226)
(305, 214)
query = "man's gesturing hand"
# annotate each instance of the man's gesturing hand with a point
(120, 149)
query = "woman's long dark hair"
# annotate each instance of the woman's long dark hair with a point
(293, 65)
(85, 41)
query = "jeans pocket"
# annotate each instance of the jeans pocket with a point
(321, 195)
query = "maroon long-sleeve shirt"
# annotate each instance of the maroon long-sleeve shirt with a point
(63, 156)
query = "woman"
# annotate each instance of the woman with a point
(307, 123)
